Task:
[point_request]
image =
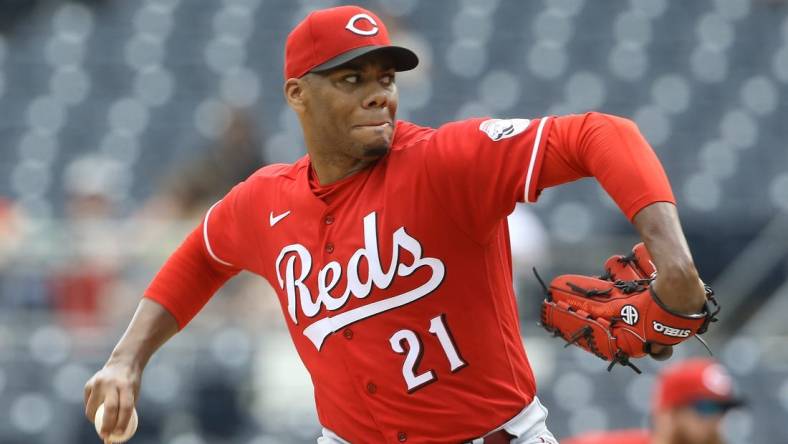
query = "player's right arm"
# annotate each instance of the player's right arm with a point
(209, 256)
(117, 384)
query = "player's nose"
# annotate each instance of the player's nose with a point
(378, 97)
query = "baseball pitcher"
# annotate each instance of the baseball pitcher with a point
(388, 248)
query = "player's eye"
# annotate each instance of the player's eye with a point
(387, 79)
(352, 78)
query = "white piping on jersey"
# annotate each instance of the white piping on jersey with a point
(205, 237)
(534, 153)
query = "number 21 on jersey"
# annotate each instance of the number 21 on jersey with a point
(408, 342)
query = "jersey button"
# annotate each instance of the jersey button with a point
(348, 333)
(329, 220)
(402, 436)
(372, 388)
(329, 247)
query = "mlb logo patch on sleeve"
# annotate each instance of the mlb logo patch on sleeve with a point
(497, 129)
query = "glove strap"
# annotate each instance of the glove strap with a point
(703, 314)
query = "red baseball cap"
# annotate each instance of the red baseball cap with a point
(330, 37)
(693, 380)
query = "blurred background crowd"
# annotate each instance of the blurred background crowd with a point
(121, 122)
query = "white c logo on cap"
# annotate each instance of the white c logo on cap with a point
(351, 25)
(716, 379)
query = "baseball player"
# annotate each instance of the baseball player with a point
(388, 248)
(690, 399)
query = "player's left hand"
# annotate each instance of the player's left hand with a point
(681, 295)
(622, 314)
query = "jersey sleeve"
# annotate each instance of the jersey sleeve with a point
(188, 279)
(227, 233)
(479, 168)
(613, 151)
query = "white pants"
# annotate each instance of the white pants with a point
(528, 427)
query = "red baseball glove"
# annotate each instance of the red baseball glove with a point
(617, 316)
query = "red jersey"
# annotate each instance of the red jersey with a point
(634, 436)
(396, 282)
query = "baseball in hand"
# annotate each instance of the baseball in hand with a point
(122, 437)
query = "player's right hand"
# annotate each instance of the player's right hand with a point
(660, 352)
(116, 386)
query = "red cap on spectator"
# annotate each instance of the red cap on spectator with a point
(693, 380)
(330, 37)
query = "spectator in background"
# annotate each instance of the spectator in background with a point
(251, 304)
(20, 289)
(190, 188)
(87, 244)
(530, 241)
(690, 399)
(9, 231)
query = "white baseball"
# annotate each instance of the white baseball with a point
(122, 437)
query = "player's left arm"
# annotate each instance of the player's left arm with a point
(612, 150)
(678, 284)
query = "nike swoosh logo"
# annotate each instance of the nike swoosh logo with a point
(273, 220)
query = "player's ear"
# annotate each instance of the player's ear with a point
(295, 92)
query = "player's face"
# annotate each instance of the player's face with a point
(352, 108)
(694, 427)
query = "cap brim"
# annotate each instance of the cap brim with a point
(404, 59)
(729, 403)
(733, 403)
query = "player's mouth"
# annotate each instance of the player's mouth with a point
(375, 125)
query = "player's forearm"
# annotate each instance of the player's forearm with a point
(678, 284)
(151, 326)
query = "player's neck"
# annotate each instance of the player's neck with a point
(661, 437)
(332, 168)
